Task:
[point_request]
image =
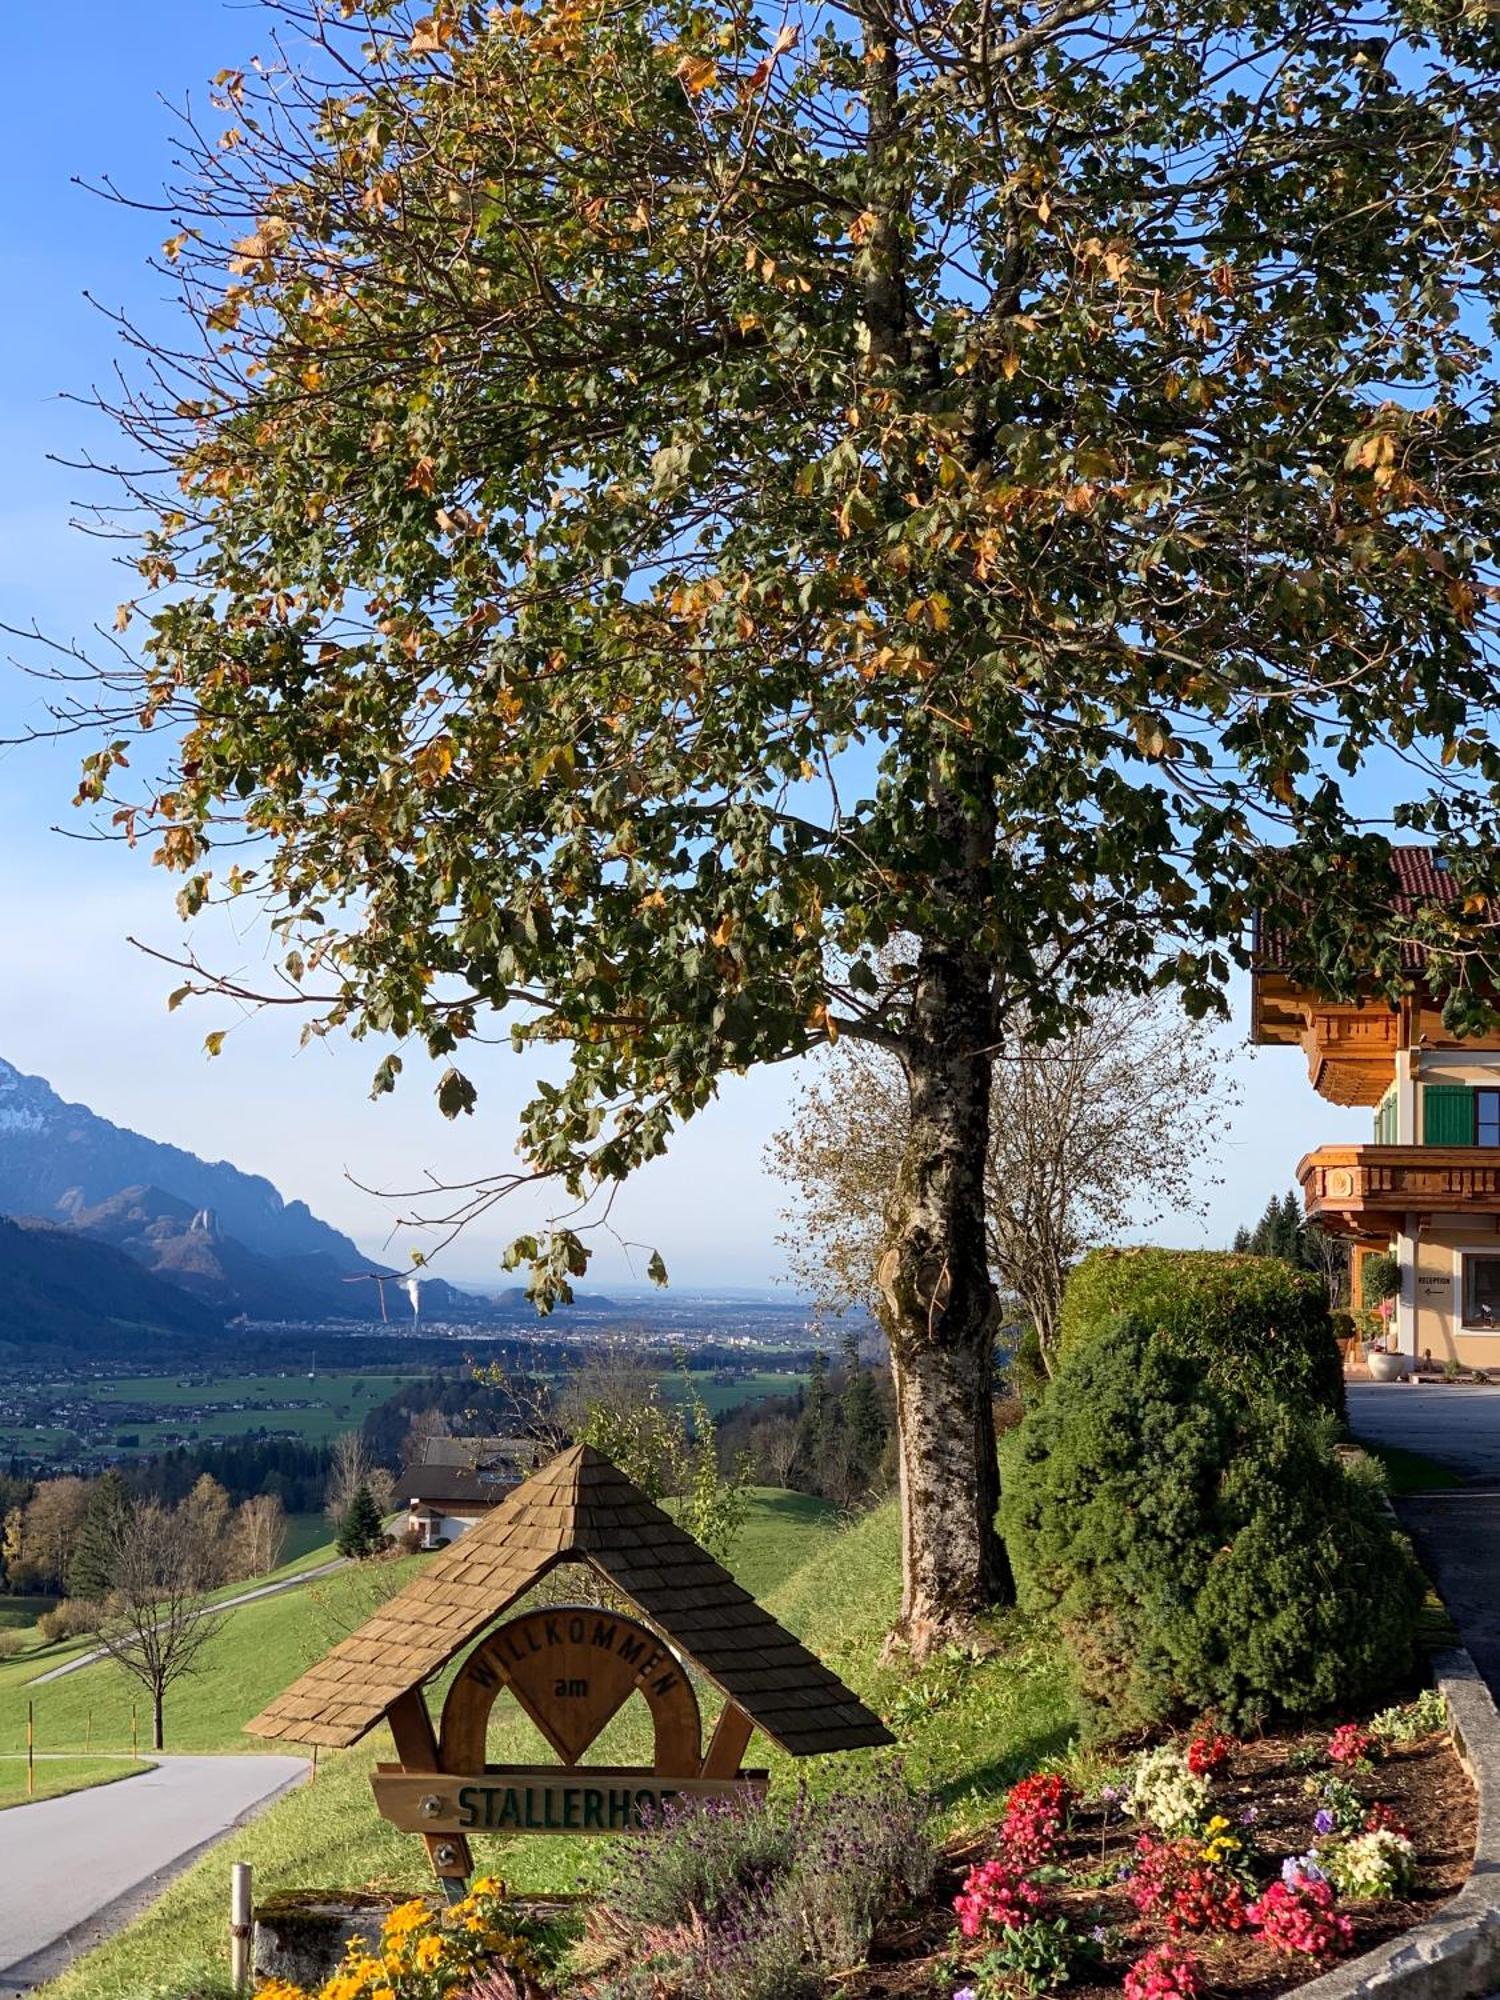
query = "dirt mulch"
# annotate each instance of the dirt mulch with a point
(1423, 1783)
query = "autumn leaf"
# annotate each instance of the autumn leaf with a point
(697, 74)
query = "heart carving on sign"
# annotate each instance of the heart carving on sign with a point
(572, 1668)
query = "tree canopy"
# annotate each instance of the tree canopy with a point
(654, 504)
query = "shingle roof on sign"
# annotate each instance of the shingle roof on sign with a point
(580, 1507)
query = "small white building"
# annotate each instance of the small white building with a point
(455, 1481)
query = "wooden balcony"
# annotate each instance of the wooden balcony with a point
(1370, 1190)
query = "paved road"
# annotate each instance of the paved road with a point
(73, 1870)
(1457, 1536)
(212, 1611)
(1458, 1425)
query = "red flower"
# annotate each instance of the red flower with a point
(1381, 1818)
(1170, 1879)
(1208, 1754)
(1350, 1745)
(1036, 1812)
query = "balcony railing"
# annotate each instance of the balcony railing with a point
(1371, 1188)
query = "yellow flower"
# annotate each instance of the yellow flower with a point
(488, 1885)
(429, 1953)
(406, 1917)
(279, 1989)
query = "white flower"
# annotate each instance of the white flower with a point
(1165, 1793)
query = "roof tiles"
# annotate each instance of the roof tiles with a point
(579, 1507)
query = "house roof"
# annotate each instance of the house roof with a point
(1419, 879)
(474, 1471)
(578, 1508)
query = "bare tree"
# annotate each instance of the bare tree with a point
(258, 1536)
(351, 1466)
(1105, 1128)
(775, 1441)
(156, 1620)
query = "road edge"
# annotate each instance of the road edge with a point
(26, 1974)
(1455, 1954)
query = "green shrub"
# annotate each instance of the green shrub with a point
(1201, 1548)
(1028, 1371)
(1250, 1323)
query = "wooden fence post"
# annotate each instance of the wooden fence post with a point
(135, 1732)
(240, 1926)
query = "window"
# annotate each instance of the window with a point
(1487, 1117)
(1456, 1114)
(1482, 1292)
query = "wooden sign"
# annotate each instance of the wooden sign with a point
(571, 1669)
(539, 1798)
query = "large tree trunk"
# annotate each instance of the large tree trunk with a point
(158, 1742)
(941, 1311)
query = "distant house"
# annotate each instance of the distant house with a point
(454, 1481)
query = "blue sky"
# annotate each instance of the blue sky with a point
(81, 94)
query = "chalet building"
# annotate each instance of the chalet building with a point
(1426, 1187)
(452, 1482)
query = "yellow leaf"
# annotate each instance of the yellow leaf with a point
(172, 248)
(697, 74)
(863, 227)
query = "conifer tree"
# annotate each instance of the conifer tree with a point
(107, 1516)
(361, 1532)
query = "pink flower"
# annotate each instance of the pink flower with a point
(995, 1896)
(1208, 1753)
(1165, 1973)
(1036, 1812)
(1297, 1916)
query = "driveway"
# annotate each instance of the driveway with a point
(73, 1870)
(1457, 1425)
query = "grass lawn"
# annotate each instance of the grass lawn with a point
(56, 1775)
(966, 1729)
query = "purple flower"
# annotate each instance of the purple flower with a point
(1323, 1820)
(1302, 1868)
(1249, 1815)
(966, 1993)
(1110, 1795)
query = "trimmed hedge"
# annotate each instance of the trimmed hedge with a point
(1200, 1548)
(1250, 1323)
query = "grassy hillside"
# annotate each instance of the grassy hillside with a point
(966, 1729)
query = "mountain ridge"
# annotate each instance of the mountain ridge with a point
(54, 1152)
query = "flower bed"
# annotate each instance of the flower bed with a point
(1201, 1866)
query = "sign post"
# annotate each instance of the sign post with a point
(570, 1669)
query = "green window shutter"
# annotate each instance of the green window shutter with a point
(1385, 1120)
(1447, 1114)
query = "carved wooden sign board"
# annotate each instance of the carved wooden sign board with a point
(570, 1668)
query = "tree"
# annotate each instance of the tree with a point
(775, 1443)
(351, 1467)
(1283, 1231)
(258, 1538)
(50, 1528)
(106, 1516)
(361, 1532)
(208, 1520)
(1105, 1127)
(654, 507)
(156, 1619)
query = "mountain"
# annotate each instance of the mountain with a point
(60, 1290)
(188, 1247)
(57, 1159)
